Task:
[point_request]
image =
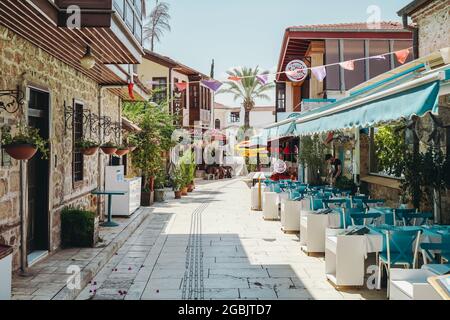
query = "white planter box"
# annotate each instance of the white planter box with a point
(406, 284)
(290, 216)
(270, 210)
(127, 204)
(5, 272)
(312, 231)
(344, 259)
(255, 197)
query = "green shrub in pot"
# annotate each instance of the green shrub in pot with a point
(78, 228)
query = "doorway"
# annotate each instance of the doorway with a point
(38, 180)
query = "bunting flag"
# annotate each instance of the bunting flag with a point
(214, 85)
(181, 86)
(263, 79)
(379, 57)
(402, 56)
(320, 73)
(348, 65)
(234, 78)
(131, 90)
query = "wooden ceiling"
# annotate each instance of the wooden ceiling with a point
(67, 45)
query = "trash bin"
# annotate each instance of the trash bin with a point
(5, 272)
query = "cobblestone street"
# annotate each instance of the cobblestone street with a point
(209, 245)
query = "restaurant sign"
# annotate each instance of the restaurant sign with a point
(296, 70)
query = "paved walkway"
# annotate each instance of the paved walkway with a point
(211, 246)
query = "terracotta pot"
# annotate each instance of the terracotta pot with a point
(21, 151)
(89, 151)
(147, 199)
(177, 194)
(184, 191)
(190, 188)
(108, 150)
(160, 195)
(122, 152)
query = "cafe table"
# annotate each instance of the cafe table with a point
(387, 214)
(110, 194)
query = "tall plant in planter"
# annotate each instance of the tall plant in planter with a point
(188, 168)
(152, 142)
(311, 155)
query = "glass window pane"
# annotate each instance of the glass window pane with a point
(354, 49)
(332, 56)
(379, 66)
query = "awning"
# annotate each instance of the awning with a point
(282, 129)
(413, 96)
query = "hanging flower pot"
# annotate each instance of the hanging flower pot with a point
(122, 151)
(109, 148)
(21, 151)
(25, 144)
(87, 147)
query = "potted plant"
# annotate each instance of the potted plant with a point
(160, 183)
(177, 182)
(79, 228)
(109, 148)
(87, 147)
(122, 150)
(25, 144)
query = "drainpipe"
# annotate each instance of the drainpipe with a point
(415, 32)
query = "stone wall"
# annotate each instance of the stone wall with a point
(23, 64)
(433, 21)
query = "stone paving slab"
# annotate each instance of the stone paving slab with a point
(47, 279)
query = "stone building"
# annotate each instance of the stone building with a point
(41, 61)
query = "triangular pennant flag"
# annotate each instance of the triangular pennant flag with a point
(214, 85)
(319, 72)
(131, 90)
(234, 78)
(379, 57)
(348, 65)
(181, 86)
(263, 79)
(402, 56)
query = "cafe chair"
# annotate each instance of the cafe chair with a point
(436, 253)
(374, 203)
(400, 248)
(398, 215)
(417, 219)
(364, 219)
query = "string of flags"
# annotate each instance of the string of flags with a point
(319, 72)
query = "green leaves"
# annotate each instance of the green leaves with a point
(390, 148)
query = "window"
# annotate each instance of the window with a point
(194, 96)
(159, 90)
(119, 5)
(77, 156)
(354, 49)
(235, 117)
(217, 124)
(129, 16)
(281, 97)
(378, 66)
(333, 79)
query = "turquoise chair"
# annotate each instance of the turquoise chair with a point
(373, 203)
(398, 215)
(317, 202)
(358, 204)
(400, 248)
(334, 203)
(364, 219)
(277, 188)
(429, 254)
(417, 219)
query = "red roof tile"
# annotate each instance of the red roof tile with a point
(358, 26)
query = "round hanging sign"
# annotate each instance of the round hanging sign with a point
(296, 70)
(280, 166)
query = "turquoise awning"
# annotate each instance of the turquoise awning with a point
(416, 96)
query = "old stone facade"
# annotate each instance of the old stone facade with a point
(25, 65)
(433, 21)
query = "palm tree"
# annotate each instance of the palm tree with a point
(248, 89)
(157, 24)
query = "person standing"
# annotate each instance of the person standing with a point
(336, 169)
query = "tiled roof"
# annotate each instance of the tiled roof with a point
(358, 26)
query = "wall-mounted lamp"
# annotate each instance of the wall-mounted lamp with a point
(88, 60)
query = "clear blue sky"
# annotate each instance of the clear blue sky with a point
(250, 32)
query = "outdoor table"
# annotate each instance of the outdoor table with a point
(110, 194)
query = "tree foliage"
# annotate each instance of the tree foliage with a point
(158, 22)
(390, 148)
